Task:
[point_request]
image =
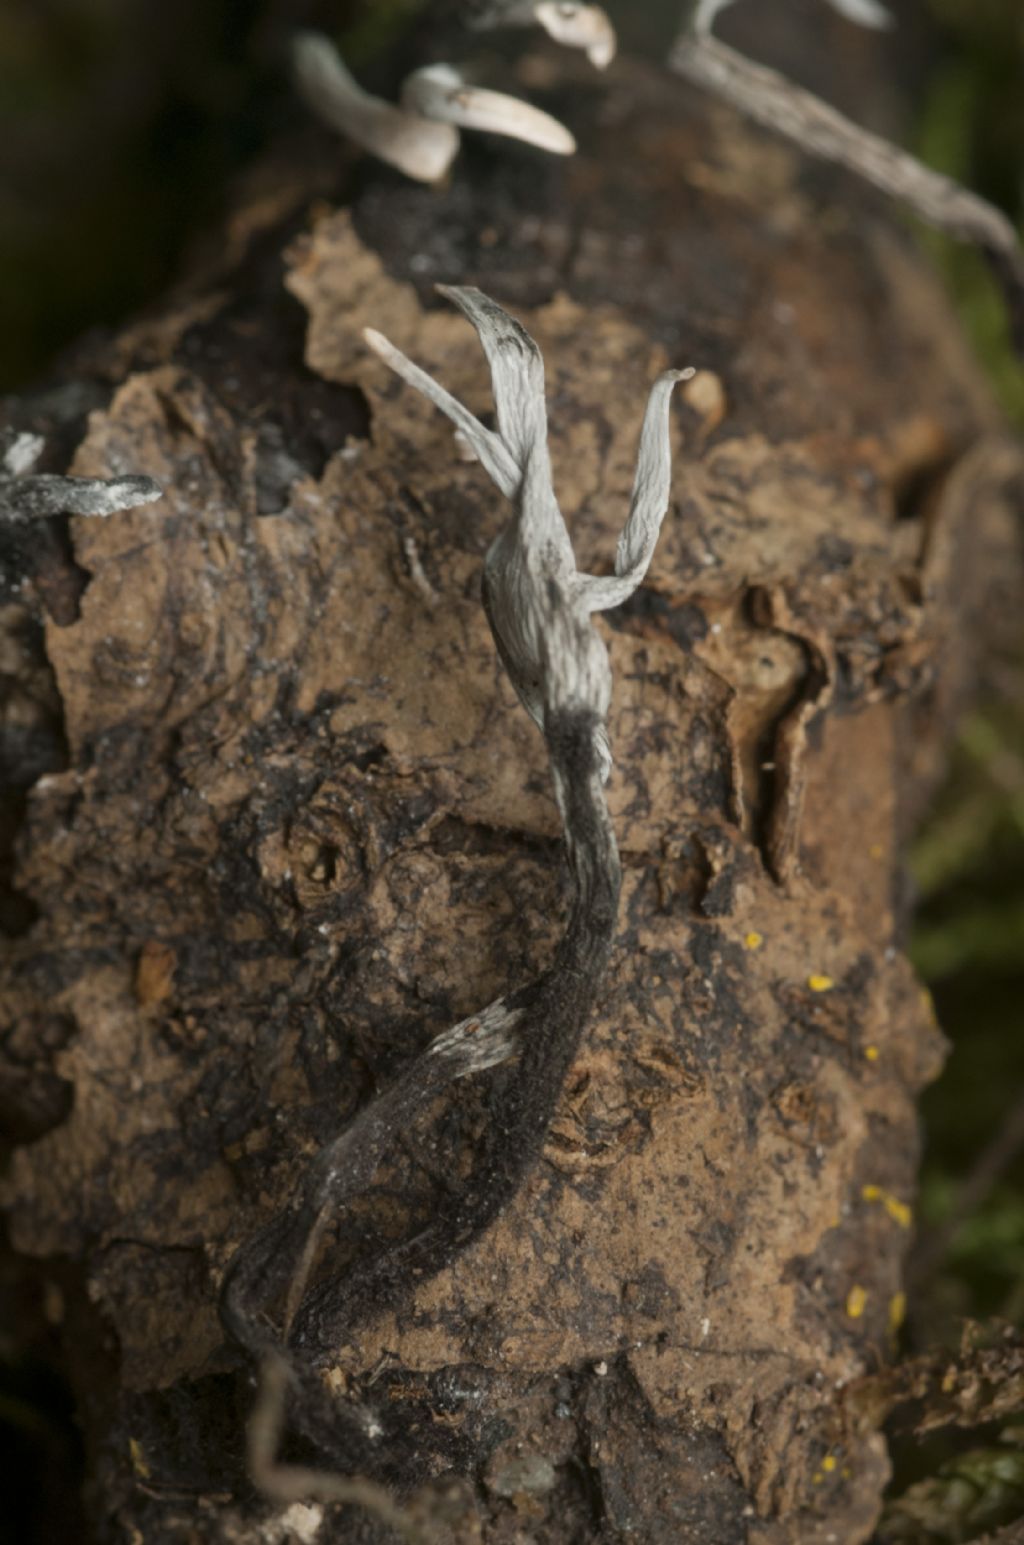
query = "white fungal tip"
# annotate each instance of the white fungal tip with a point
(867, 13)
(439, 94)
(580, 26)
(131, 491)
(21, 452)
(377, 342)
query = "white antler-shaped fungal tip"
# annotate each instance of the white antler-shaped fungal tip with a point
(439, 93)
(538, 603)
(579, 26)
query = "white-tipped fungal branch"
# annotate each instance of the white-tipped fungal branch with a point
(421, 136)
(520, 1047)
(775, 103)
(27, 496)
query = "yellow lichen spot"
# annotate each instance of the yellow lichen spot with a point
(139, 1464)
(753, 940)
(829, 1462)
(817, 1478)
(856, 1299)
(820, 983)
(846, 1473)
(897, 1311)
(871, 1053)
(877, 850)
(898, 1211)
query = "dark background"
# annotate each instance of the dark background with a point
(125, 124)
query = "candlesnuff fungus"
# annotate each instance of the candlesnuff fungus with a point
(420, 137)
(26, 496)
(539, 607)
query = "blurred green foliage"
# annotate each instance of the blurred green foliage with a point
(969, 1495)
(968, 861)
(972, 128)
(968, 869)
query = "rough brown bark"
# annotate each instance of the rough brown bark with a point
(301, 825)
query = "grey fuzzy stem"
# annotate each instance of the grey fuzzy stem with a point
(774, 102)
(24, 499)
(287, 1483)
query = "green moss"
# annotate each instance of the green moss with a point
(971, 1494)
(972, 128)
(380, 24)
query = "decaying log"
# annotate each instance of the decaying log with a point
(292, 823)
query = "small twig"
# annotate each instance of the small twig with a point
(298, 1483)
(417, 573)
(775, 103)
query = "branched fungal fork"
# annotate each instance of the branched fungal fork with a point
(539, 607)
(517, 461)
(27, 496)
(776, 104)
(421, 136)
